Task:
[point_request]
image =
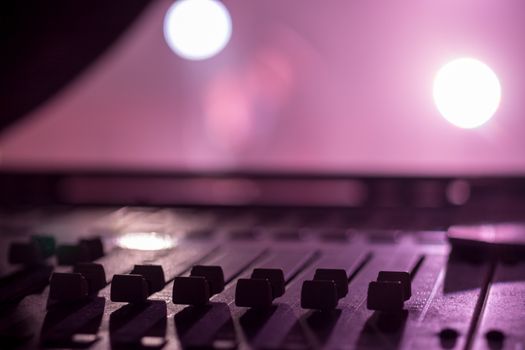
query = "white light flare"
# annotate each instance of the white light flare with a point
(467, 92)
(146, 241)
(197, 29)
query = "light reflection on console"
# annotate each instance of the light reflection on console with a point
(146, 241)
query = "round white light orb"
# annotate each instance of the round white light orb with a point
(466, 92)
(197, 29)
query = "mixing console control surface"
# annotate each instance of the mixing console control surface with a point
(323, 287)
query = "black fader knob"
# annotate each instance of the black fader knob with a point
(256, 293)
(93, 246)
(87, 249)
(325, 290)
(389, 292)
(337, 275)
(68, 287)
(213, 274)
(85, 280)
(46, 243)
(319, 295)
(192, 290)
(199, 287)
(137, 286)
(129, 289)
(153, 274)
(25, 253)
(71, 254)
(260, 289)
(395, 276)
(274, 276)
(32, 252)
(94, 274)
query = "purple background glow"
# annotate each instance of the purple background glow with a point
(303, 85)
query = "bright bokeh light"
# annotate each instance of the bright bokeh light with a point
(146, 241)
(467, 92)
(197, 29)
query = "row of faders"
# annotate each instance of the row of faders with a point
(34, 261)
(387, 294)
(40, 247)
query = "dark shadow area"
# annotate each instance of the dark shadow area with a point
(8, 309)
(253, 319)
(15, 332)
(207, 326)
(321, 324)
(189, 316)
(139, 326)
(510, 263)
(16, 286)
(73, 325)
(472, 252)
(9, 343)
(382, 331)
(296, 338)
(53, 44)
(506, 272)
(465, 270)
(448, 338)
(495, 339)
(466, 266)
(506, 245)
(271, 328)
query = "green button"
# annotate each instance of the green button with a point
(45, 243)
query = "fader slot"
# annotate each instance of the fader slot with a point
(275, 328)
(153, 313)
(502, 324)
(356, 324)
(194, 325)
(236, 258)
(445, 320)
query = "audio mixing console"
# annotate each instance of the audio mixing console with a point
(268, 279)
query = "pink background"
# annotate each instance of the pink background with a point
(332, 85)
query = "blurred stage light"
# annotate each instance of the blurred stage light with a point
(467, 92)
(197, 29)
